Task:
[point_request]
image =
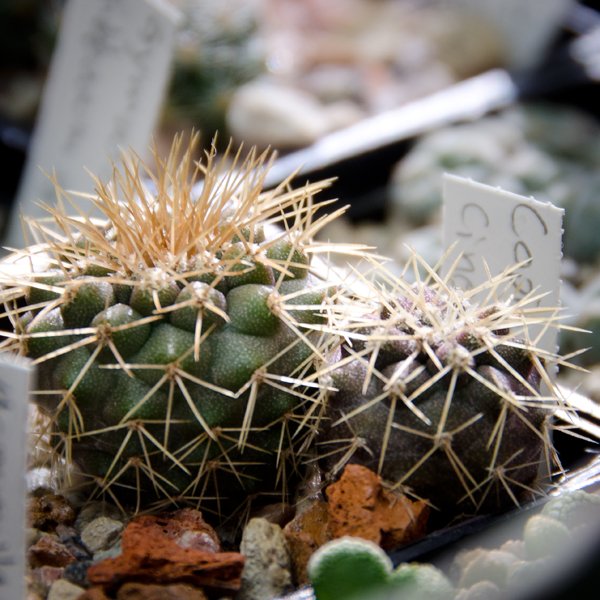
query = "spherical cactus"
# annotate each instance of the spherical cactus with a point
(177, 339)
(441, 396)
(349, 567)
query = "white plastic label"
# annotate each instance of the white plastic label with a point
(104, 92)
(15, 381)
(494, 230)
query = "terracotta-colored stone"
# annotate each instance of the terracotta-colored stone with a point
(189, 530)
(304, 534)
(359, 506)
(49, 510)
(151, 554)
(143, 591)
(49, 551)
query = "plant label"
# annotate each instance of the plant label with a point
(103, 93)
(15, 381)
(491, 230)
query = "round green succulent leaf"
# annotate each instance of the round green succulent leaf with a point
(311, 299)
(244, 268)
(250, 309)
(49, 322)
(166, 346)
(272, 404)
(214, 408)
(85, 300)
(574, 508)
(254, 234)
(290, 257)
(122, 292)
(349, 568)
(127, 340)
(133, 399)
(97, 269)
(237, 356)
(543, 535)
(414, 580)
(200, 299)
(88, 381)
(156, 290)
(37, 294)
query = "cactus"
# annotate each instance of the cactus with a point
(574, 509)
(350, 567)
(177, 340)
(441, 397)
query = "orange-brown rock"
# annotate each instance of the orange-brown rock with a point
(358, 505)
(48, 510)
(49, 551)
(188, 529)
(151, 591)
(304, 534)
(151, 554)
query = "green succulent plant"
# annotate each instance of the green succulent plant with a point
(443, 396)
(177, 340)
(353, 568)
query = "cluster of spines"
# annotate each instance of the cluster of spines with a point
(169, 249)
(427, 336)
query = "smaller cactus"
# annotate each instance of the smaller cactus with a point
(415, 581)
(544, 535)
(441, 397)
(353, 568)
(349, 568)
(574, 509)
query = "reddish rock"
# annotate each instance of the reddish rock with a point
(151, 554)
(359, 506)
(47, 511)
(142, 591)
(188, 529)
(304, 534)
(49, 551)
(43, 577)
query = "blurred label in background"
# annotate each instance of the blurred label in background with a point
(527, 26)
(104, 92)
(493, 230)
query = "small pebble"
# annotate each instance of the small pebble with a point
(267, 570)
(101, 533)
(77, 572)
(91, 511)
(62, 589)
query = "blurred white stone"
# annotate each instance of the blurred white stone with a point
(265, 113)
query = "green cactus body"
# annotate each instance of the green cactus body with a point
(180, 342)
(349, 567)
(444, 398)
